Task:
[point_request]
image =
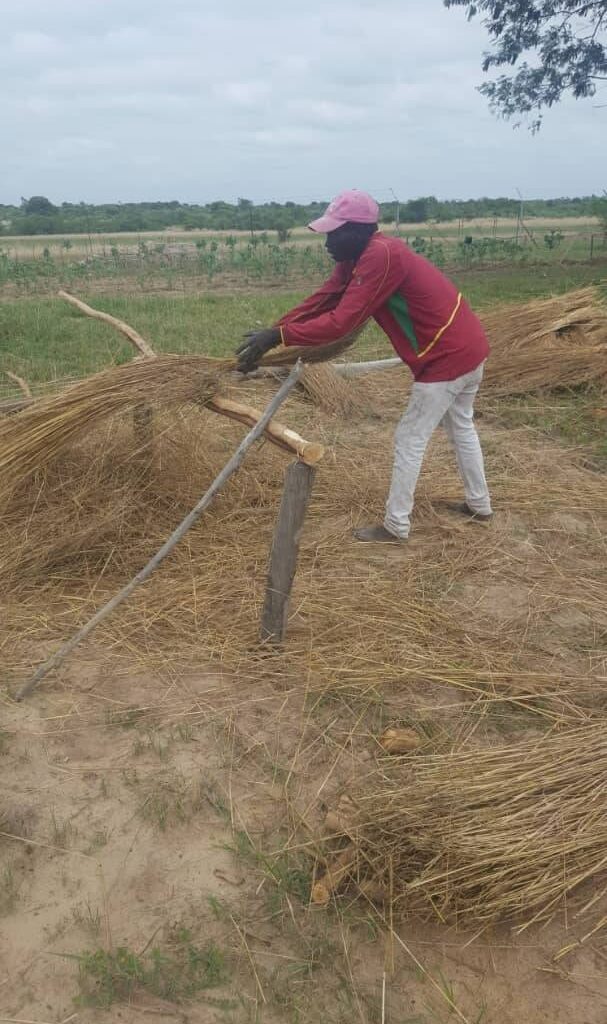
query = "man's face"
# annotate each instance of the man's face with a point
(347, 242)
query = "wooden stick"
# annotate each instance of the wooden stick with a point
(285, 548)
(140, 343)
(343, 369)
(143, 417)
(357, 369)
(169, 544)
(20, 382)
(309, 452)
(11, 405)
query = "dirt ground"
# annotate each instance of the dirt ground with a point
(145, 795)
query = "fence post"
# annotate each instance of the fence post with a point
(299, 479)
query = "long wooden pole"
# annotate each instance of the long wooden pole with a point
(169, 544)
(343, 369)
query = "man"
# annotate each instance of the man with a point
(432, 329)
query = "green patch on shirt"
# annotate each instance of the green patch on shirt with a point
(397, 304)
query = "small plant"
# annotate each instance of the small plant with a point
(8, 889)
(99, 839)
(172, 800)
(219, 909)
(553, 239)
(176, 971)
(62, 832)
(125, 717)
(88, 918)
(185, 731)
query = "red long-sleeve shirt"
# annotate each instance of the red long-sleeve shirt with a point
(430, 325)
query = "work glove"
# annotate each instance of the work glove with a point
(255, 345)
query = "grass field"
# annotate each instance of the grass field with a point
(42, 338)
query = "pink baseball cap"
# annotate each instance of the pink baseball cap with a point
(351, 205)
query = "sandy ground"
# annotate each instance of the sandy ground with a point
(137, 802)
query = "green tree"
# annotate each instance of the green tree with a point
(416, 211)
(39, 205)
(563, 38)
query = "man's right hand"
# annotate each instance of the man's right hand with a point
(255, 345)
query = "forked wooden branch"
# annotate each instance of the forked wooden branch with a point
(308, 451)
(189, 521)
(134, 337)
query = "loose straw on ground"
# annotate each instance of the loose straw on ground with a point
(481, 834)
(175, 537)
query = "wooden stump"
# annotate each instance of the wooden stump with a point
(299, 479)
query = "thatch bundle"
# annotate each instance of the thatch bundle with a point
(480, 834)
(30, 439)
(547, 322)
(330, 392)
(547, 343)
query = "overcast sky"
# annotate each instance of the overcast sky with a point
(107, 100)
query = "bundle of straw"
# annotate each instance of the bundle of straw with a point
(288, 355)
(579, 316)
(483, 834)
(329, 391)
(522, 371)
(31, 439)
(547, 343)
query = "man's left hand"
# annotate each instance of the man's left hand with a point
(255, 345)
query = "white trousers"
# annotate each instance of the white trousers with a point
(450, 403)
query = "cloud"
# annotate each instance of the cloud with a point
(32, 45)
(137, 99)
(243, 94)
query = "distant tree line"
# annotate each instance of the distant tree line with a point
(38, 216)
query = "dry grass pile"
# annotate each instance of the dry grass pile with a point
(481, 834)
(95, 508)
(477, 630)
(549, 320)
(547, 343)
(331, 392)
(360, 621)
(31, 439)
